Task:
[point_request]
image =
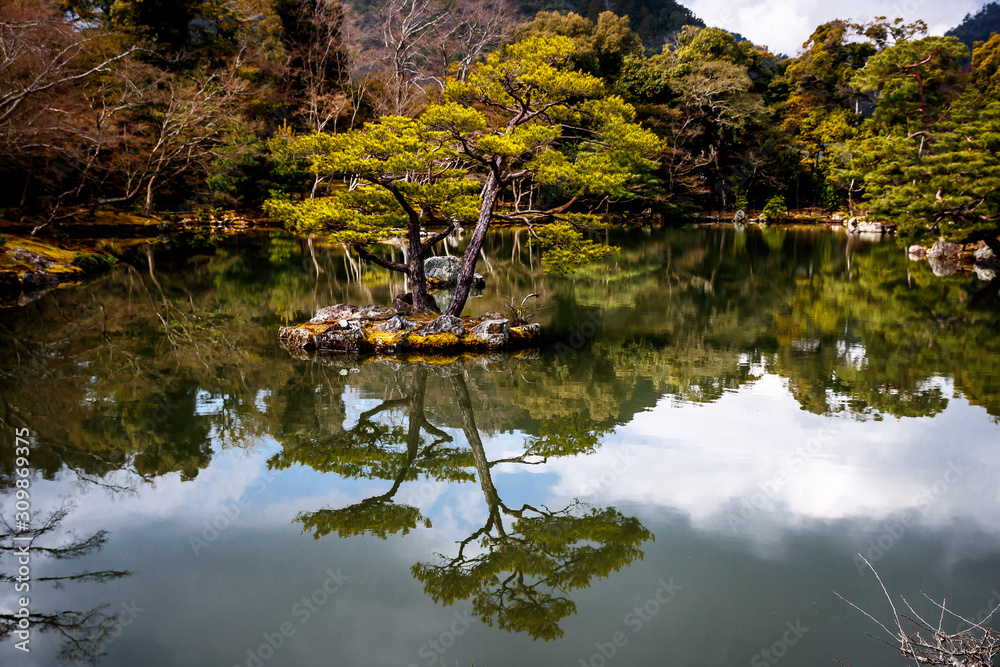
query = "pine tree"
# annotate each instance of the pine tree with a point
(523, 114)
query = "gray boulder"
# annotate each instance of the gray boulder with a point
(985, 257)
(495, 333)
(444, 271)
(916, 252)
(875, 227)
(443, 324)
(345, 335)
(395, 324)
(343, 311)
(942, 249)
(342, 336)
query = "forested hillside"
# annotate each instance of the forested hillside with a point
(126, 105)
(979, 26)
(653, 21)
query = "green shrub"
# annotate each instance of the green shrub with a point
(775, 208)
(742, 204)
(93, 264)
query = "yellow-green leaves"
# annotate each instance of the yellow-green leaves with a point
(606, 162)
(525, 75)
(390, 148)
(364, 215)
(564, 246)
(523, 114)
(453, 119)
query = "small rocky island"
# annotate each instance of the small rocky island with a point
(402, 329)
(388, 330)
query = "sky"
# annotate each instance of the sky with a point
(783, 25)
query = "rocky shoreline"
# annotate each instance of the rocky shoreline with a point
(30, 268)
(947, 259)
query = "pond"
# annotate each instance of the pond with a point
(719, 423)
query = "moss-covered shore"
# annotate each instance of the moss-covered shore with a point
(383, 330)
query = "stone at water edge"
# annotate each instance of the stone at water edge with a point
(495, 333)
(443, 324)
(343, 311)
(985, 257)
(942, 249)
(916, 252)
(987, 266)
(39, 274)
(344, 336)
(397, 323)
(444, 271)
(859, 226)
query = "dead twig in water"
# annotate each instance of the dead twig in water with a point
(927, 643)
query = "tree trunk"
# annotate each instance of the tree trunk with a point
(471, 431)
(467, 270)
(418, 280)
(148, 208)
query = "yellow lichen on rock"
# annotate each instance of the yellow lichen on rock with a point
(385, 333)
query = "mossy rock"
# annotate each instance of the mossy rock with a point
(358, 329)
(29, 264)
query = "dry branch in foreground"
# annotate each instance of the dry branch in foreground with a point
(927, 643)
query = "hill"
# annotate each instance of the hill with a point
(979, 26)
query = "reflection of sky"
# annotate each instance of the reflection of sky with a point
(753, 449)
(683, 469)
(704, 461)
(757, 441)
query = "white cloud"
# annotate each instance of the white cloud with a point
(758, 445)
(784, 25)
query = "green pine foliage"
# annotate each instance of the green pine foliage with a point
(952, 190)
(522, 114)
(775, 208)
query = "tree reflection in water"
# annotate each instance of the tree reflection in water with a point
(519, 568)
(84, 633)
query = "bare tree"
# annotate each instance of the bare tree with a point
(475, 28)
(46, 63)
(405, 48)
(317, 62)
(928, 643)
(149, 127)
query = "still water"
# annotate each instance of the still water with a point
(684, 475)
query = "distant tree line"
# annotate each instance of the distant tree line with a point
(157, 105)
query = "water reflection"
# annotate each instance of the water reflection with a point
(84, 634)
(377, 450)
(520, 566)
(706, 357)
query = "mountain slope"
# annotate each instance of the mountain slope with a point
(979, 26)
